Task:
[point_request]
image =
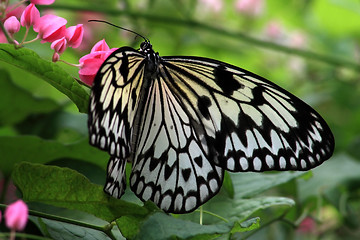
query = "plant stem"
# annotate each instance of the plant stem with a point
(237, 35)
(4, 235)
(212, 214)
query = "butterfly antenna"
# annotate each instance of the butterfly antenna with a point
(111, 24)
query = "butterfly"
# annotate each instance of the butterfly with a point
(183, 121)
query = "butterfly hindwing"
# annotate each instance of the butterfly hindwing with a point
(116, 177)
(170, 166)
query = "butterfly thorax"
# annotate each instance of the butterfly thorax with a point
(152, 58)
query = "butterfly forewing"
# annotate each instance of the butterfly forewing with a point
(252, 124)
(182, 121)
(113, 108)
(114, 102)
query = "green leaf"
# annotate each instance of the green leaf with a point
(129, 226)
(63, 187)
(17, 103)
(228, 185)
(16, 149)
(50, 72)
(333, 173)
(239, 209)
(246, 226)
(65, 231)
(161, 226)
(251, 184)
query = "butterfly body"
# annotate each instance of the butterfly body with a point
(183, 121)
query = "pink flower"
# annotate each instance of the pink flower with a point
(50, 28)
(297, 40)
(100, 46)
(16, 215)
(308, 225)
(30, 16)
(91, 63)
(42, 2)
(250, 7)
(59, 45)
(274, 30)
(15, 12)
(213, 5)
(74, 35)
(12, 25)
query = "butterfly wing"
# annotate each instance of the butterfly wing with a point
(250, 123)
(170, 166)
(114, 103)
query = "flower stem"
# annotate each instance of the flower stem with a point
(12, 234)
(70, 64)
(30, 41)
(25, 35)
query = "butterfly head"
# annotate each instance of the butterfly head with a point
(146, 47)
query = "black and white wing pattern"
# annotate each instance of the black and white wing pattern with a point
(182, 121)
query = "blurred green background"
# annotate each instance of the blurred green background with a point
(309, 47)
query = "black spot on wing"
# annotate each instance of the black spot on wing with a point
(124, 67)
(204, 103)
(199, 161)
(168, 171)
(258, 96)
(186, 174)
(133, 97)
(225, 80)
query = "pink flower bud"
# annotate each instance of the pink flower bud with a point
(59, 45)
(91, 63)
(100, 46)
(55, 57)
(30, 16)
(42, 2)
(250, 7)
(16, 215)
(12, 25)
(74, 35)
(50, 28)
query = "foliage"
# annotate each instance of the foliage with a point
(43, 127)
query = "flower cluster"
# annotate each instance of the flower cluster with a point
(50, 28)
